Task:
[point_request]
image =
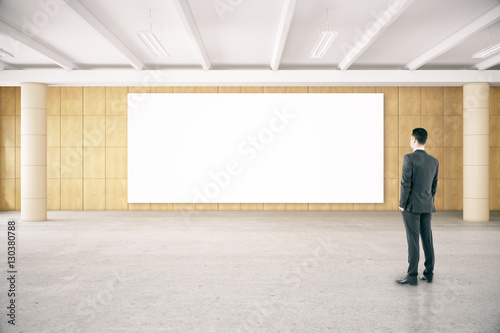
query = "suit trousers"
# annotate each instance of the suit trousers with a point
(419, 224)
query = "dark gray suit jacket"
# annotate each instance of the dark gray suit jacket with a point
(419, 182)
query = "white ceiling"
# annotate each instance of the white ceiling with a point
(242, 37)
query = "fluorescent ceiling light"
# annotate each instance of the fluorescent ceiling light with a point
(4, 53)
(149, 38)
(486, 52)
(325, 40)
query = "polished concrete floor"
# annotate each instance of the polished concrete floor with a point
(247, 272)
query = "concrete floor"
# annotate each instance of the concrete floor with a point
(248, 272)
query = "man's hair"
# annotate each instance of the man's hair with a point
(420, 134)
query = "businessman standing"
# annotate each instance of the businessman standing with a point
(418, 187)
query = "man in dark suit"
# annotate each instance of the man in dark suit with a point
(418, 187)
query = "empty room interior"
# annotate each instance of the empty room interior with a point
(249, 166)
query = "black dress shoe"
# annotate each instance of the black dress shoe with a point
(411, 280)
(427, 277)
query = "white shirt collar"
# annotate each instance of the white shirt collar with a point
(419, 148)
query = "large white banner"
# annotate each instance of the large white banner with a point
(255, 148)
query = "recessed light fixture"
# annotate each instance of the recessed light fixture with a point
(4, 53)
(486, 52)
(325, 39)
(149, 38)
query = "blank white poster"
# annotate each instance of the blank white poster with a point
(255, 148)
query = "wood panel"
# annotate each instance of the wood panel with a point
(439, 197)
(406, 126)
(94, 101)
(71, 101)
(435, 130)
(225, 90)
(391, 163)
(365, 90)
(252, 206)
(274, 206)
(140, 89)
(209, 90)
(452, 166)
(116, 101)
(184, 206)
(94, 194)
(162, 90)
(18, 131)
(363, 206)
(7, 194)
(116, 194)
(184, 90)
(93, 161)
(296, 206)
(252, 90)
(432, 101)
(71, 131)
(116, 131)
(319, 90)
(71, 194)
(53, 101)
(94, 131)
(495, 194)
(391, 195)
(229, 206)
(18, 162)
(18, 194)
(8, 131)
(274, 90)
(8, 101)
(297, 90)
(54, 131)
(453, 131)
(409, 101)
(319, 206)
(7, 162)
(18, 101)
(159, 206)
(206, 206)
(116, 163)
(341, 206)
(494, 101)
(342, 90)
(494, 131)
(391, 100)
(453, 194)
(53, 162)
(391, 131)
(139, 206)
(494, 162)
(453, 101)
(71, 163)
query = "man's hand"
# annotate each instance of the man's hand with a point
(401, 209)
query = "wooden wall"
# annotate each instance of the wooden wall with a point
(87, 145)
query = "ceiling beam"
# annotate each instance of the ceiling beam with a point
(189, 23)
(388, 17)
(79, 9)
(37, 46)
(487, 63)
(4, 65)
(283, 28)
(131, 77)
(456, 38)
